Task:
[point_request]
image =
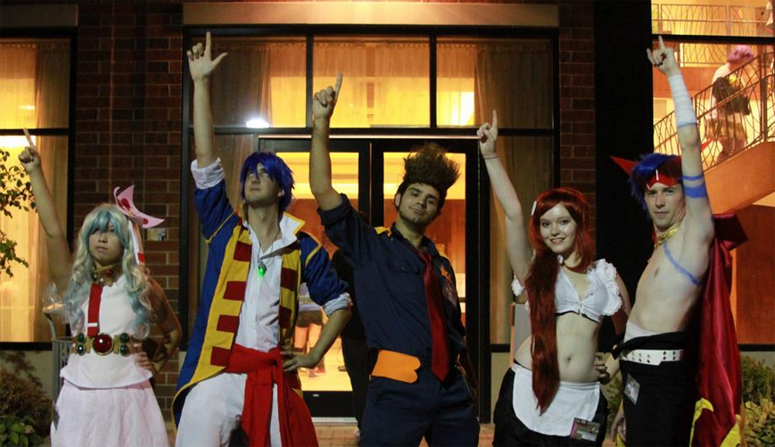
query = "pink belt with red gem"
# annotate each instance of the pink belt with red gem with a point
(102, 344)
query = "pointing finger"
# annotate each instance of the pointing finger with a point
(29, 138)
(207, 43)
(661, 43)
(338, 84)
(494, 119)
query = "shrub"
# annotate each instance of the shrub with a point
(760, 423)
(23, 401)
(18, 432)
(758, 380)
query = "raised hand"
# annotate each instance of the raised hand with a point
(663, 58)
(488, 134)
(200, 61)
(30, 157)
(323, 102)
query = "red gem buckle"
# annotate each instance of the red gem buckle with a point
(102, 344)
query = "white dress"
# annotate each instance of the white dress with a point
(107, 400)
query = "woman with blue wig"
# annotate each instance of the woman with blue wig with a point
(113, 307)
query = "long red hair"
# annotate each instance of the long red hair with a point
(540, 284)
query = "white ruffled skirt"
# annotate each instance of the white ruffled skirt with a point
(108, 417)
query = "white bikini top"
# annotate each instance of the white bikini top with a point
(601, 300)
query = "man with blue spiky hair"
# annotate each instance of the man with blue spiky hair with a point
(240, 368)
(681, 296)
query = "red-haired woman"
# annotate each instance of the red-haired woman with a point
(551, 395)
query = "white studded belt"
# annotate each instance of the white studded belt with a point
(653, 356)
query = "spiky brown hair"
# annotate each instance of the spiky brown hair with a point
(428, 164)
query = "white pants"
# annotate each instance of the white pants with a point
(213, 409)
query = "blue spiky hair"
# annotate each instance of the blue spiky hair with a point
(649, 166)
(278, 171)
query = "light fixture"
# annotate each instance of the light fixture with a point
(257, 123)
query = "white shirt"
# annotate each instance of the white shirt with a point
(92, 370)
(602, 299)
(259, 318)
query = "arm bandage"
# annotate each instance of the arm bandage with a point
(684, 111)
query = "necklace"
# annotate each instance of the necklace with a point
(261, 265)
(662, 238)
(105, 275)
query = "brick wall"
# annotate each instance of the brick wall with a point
(128, 117)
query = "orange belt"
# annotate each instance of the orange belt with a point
(396, 366)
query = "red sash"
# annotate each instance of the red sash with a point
(264, 370)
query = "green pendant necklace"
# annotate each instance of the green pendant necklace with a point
(261, 265)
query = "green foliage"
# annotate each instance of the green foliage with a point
(760, 423)
(22, 397)
(758, 380)
(15, 192)
(15, 431)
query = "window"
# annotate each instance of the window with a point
(34, 93)
(721, 18)
(410, 88)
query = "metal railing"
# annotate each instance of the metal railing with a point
(709, 20)
(725, 127)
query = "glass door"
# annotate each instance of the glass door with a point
(327, 389)
(369, 171)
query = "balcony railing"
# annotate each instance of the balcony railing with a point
(709, 20)
(720, 126)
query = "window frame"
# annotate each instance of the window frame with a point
(69, 132)
(483, 347)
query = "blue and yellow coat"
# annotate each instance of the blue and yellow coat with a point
(225, 281)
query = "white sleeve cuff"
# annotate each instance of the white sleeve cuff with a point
(208, 176)
(340, 302)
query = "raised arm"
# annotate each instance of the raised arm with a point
(201, 66)
(517, 245)
(320, 159)
(60, 262)
(699, 217)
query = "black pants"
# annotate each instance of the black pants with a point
(510, 431)
(358, 363)
(662, 415)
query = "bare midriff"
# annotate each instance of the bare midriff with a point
(576, 348)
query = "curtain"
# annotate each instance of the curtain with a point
(288, 84)
(34, 91)
(401, 84)
(516, 80)
(456, 69)
(350, 59)
(239, 87)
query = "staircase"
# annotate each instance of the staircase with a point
(746, 173)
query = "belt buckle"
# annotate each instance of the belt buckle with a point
(102, 344)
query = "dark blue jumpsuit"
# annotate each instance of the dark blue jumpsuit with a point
(392, 304)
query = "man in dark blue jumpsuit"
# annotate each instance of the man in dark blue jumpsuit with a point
(407, 300)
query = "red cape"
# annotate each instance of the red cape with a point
(719, 378)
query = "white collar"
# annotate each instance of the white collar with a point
(289, 226)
